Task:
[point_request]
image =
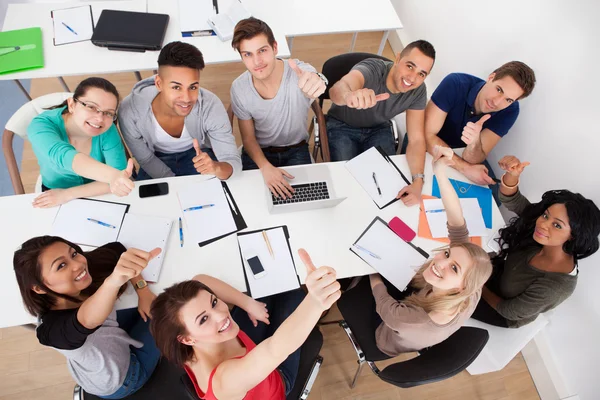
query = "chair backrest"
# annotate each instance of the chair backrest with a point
(336, 67)
(21, 119)
(439, 362)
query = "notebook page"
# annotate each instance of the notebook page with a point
(79, 19)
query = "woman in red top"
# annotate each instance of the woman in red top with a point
(193, 328)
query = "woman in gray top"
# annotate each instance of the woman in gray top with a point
(536, 269)
(110, 354)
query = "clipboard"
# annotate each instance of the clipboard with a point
(287, 238)
(78, 19)
(240, 223)
(354, 171)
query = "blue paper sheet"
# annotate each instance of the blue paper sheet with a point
(482, 194)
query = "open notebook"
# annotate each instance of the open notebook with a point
(396, 260)
(147, 233)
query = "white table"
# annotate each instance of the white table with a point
(326, 233)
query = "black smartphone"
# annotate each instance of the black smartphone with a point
(154, 189)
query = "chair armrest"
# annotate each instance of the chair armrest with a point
(322, 130)
(11, 161)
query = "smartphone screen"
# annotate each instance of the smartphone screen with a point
(255, 265)
(154, 189)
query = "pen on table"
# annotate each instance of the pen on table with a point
(230, 202)
(367, 251)
(435, 211)
(69, 28)
(266, 237)
(180, 233)
(216, 6)
(101, 223)
(376, 184)
(199, 207)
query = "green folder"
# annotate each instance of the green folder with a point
(21, 50)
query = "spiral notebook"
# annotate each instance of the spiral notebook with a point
(146, 233)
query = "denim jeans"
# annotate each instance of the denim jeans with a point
(346, 142)
(180, 163)
(494, 188)
(142, 361)
(280, 306)
(294, 156)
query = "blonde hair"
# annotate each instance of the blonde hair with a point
(457, 300)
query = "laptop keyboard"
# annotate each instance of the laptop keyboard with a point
(305, 192)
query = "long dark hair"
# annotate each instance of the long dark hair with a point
(166, 325)
(84, 85)
(584, 220)
(101, 263)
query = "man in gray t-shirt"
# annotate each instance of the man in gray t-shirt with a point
(271, 101)
(371, 94)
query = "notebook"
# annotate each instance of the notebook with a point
(381, 248)
(147, 233)
(279, 270)
(21, 50)
(468, 190)
(89, 222)
(438, 220)
(74, 24)
(378, 175)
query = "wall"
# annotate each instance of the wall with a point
(557, 130)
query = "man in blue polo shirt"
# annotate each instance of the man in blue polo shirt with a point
(468, 111)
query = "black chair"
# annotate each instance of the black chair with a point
(335, 69)
(171, 382)
(433, 364)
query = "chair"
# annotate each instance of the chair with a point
(17, 125)
(436, 363)
(335, 69)
(171, 382)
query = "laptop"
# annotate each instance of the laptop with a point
(130, 31)
(313, 188)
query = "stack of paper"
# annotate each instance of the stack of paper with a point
(437, 218)
(147, 233)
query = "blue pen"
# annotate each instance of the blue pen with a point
(198, 207)
(367, 251)
(101, 223)
(69, 28)
(180, 233)
(435, 211)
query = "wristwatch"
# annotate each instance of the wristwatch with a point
(417, 176)
(140, 284)
(323, 78)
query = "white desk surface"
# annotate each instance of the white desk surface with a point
(325, 233)
(84, 58)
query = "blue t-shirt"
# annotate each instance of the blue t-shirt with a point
(456, 96)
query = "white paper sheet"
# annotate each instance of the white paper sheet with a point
(438, 220)
(147, 233)
(206, 223)
(72, 223)
(281, 274)
(194, 14)
(398, 260)
(79, 19)
(390, 181)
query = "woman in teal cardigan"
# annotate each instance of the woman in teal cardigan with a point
(78, 147)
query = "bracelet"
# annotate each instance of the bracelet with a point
(507, 186)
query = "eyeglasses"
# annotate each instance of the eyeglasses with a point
(93, 109)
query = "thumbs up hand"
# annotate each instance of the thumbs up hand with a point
(362, 99)
(472, 130)
(202, 162)
(122, 185)
(323, 288)
(310, 83)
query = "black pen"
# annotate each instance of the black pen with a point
(216, 6)
(376, 184)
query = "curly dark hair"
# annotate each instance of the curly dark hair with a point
(584, 220)
(180, 54)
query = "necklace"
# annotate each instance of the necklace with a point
(461, 189)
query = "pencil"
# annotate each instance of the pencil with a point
(264, 233)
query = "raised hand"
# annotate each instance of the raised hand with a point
(322, 286)
(364, 98)
(472, 130)
(311, 85)
(202, 162)
(275, 180)
(130, 264)
(122, 185)
(512, 165)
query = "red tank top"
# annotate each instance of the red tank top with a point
(271, 388)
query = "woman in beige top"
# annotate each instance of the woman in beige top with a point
(446, 289)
